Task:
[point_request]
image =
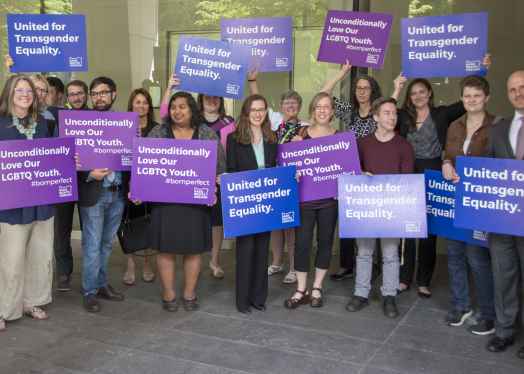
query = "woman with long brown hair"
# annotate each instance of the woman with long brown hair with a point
(252, 146)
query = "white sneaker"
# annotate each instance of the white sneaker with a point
(274, 269)
(291, 277)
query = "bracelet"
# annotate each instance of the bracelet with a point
(251, 80)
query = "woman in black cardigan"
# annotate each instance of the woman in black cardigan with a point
(252, 146)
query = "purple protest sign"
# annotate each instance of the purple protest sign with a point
(444, 46)
(360, 37)
(37, 172)
(320, 162)
(269, 40)
(174, 171)
(211, 67)
(382, 206)
(103, 139)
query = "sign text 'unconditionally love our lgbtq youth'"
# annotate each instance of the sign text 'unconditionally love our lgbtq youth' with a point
(211, 67)
(47, 42)
(259, 201)
(444, 46)
(268, 41)
(103, 139)
(382, 206)
(174, 171)
(490, 195)
(360, 37)
(37, 172)
(320, 162)
(440, 203)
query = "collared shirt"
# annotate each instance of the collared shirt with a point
(259, 154)
(514, 130)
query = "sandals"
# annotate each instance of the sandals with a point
(216, 271)
(190, 305)
(36, 313)
(170, 306)
(293, 302)
(316, 302)
(148, 276)
(2, 325)
(129, 278)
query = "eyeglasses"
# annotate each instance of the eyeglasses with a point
(100, 93)
(365, 89)
(41, 90)
(22, 91)
(76, 94)
(322, 108)
(290, 103)
(258, 111)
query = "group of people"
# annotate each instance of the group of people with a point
(391, 140)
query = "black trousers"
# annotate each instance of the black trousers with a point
(347, 253)
(325, 219)
(427, 248)
(251, 269)
(62, 241)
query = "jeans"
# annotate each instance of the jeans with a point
(390, 266)
(100, 223)
(460, 255)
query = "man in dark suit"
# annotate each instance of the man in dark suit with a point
(101, 200)
(507, 251)
(76, 94)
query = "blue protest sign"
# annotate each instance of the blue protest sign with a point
(490, 195)
(382, 206)
(440, 203)
(269, 40)
(444, 46)
(211, 67)
(259, 201)
(47, 42)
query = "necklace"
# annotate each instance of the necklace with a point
(25, 126)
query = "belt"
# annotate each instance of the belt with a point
(114, 187)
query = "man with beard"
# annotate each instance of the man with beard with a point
(101, 200)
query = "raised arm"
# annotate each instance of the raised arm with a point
(331, 83)
(174, 82)
(398, 85)
(252, 82)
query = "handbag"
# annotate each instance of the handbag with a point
(134, 234)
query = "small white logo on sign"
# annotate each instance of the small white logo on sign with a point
(232, 89)
(65, 191)
(412, 227)
(472, 65)
(372, 59)
(200, 193)
(281, 62)
(76, 62)
(288, 217)
(480, 235)
(126, 161)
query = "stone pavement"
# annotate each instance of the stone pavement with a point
(137, 336)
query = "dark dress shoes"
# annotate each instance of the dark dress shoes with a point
(244, 311)
(497, 344)
(520, 353)
(91, 304)
(260, 307)
(109, 293)
(356, 303)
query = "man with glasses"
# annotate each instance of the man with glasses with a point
(76, 96)
(101, 200)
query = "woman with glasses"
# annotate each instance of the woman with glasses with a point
(320, 213)
(252, 146)
(355, 115)
(26, 234)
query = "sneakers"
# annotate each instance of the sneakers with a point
(91, 303)
(357, 303)
(483, 327)
(64, 283)
(457, 318)
(341, 275)
(390, 307)
(275, 269)
(290, 277)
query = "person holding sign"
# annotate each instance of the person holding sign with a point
(140, 102)
(468, 136)
(286, 123)
(252, 146)
(355, 115)
(183, 229)
(320, 213)
(424, 125)
(506, 140)
(384, 152)
(26, 234)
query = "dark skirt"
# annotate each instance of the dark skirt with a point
(216, 211)
(181, 228)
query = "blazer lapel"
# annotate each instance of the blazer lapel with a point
(507, 144)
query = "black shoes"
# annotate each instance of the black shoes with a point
(190, 305)
(390, 307)
(109, 293)
(260, 307)
(316, 302)
(91, 304)
(293, 302)
(457, 318)
(357, 303)
(497, 344)
(520, 353)
(483, 327)
(341, 275)
(64, 283)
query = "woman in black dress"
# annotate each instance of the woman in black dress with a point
(252, 146)
(183, 229)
